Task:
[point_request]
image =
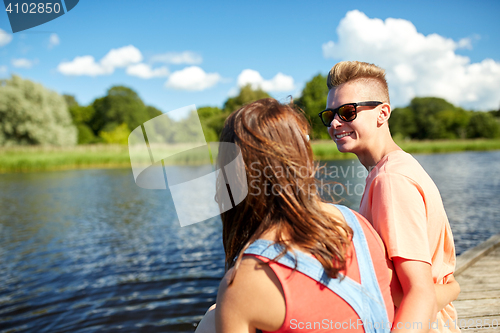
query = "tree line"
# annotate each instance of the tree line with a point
(425, 118)
(31, 114)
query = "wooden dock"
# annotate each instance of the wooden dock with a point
(478, 272)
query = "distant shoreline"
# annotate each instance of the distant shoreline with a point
(39, 158)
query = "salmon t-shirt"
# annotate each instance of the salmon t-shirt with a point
(405, 208)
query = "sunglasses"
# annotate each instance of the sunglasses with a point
(347, 112)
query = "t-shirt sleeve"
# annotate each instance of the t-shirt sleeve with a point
(399, 216)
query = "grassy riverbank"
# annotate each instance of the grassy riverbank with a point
(26, 159)
(38, 158)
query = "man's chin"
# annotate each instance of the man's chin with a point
(343, 149)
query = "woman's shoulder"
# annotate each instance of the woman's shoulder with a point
(255, 288)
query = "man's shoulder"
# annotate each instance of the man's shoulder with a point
(402, 168)
(400, 163)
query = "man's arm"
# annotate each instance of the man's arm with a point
(418, 307)
(447, 293)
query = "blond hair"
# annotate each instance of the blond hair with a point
(348, 71)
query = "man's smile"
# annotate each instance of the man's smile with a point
(343, 134)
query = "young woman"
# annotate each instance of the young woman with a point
(295, 263)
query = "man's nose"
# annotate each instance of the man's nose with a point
(336, 122)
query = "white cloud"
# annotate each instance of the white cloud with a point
(116, 58)
(5, 38)
(23, 63)
(146, 72)
(85, 65)
(465, 43)
(121, 57)
(415, 64)
(280, 82)
(177, 58)
(3, 70)
(192, 78)
(54, 40)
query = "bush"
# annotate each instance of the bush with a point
(483, 125)
(31, 114)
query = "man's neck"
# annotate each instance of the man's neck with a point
(377, 151)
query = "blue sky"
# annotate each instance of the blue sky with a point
(198, 52)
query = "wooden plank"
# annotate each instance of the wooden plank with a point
(487, 267)
(471, 256)
(476, 308)
(470, 274)
(471, 277)
(478, 305)
(475, 286)
(490, 263)
(477, 294)
(479, 284)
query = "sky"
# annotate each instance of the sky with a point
(175, 54)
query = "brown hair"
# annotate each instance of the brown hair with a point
(277, 155)
(347, 71)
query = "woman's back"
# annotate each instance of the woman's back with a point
(294, 302)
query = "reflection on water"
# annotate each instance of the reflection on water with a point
(89, 251)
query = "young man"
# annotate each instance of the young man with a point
(400, 199)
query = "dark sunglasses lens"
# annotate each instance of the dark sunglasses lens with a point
(347, 112)
(327, 117)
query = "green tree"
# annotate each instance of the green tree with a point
(454, 123)
(483, 125)
(111, 118)
(120, 106)
(81, 116)
(313, 101)
(429, 118)
(119, 135)
(86, 135)
(245, 96)
(161, 129)
(212, 121)
(495, 113)
(32, 114)
(402, 123)
(213, 118)
(187, 130)
(70, 100)
(153, 112)
(425, 111)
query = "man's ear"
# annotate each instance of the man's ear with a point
(384, 114)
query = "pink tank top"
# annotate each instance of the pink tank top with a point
(311, 307)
